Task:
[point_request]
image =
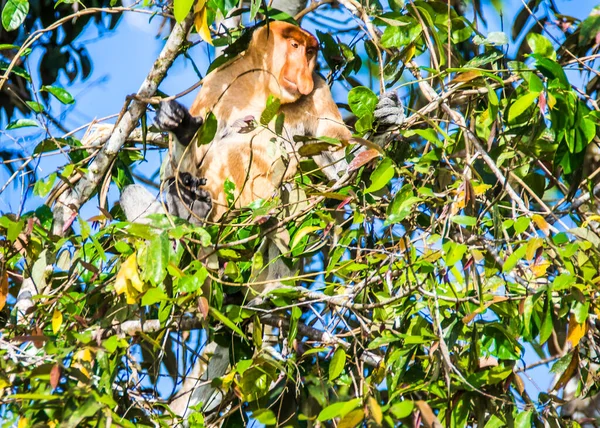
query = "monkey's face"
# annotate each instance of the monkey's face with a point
(294, 58)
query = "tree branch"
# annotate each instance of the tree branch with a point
(70, 202)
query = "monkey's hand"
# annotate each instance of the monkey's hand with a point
(187, 200)
(389, 112)
(173, 117)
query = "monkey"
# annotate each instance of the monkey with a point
(280, 61)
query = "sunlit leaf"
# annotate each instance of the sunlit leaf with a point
(337, 364)
(14, 13)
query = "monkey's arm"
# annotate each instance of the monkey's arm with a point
(173, 117)
(184, 197)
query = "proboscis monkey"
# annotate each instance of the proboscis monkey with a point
(279, 62)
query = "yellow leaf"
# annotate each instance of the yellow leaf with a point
(201, 21)
(540, 268)
(576, 331)
(57, 319)
(594, 217)
(409, 53)
(480, 189)
(541, 223)
(23, 423)
(352, 419)
(83, 355)
(532, 245)
(128, 280)
(466, 76)
(551, 101)
(3, 289)
(375, 410)
(228, 379)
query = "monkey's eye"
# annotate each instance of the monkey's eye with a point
(310, 52)
(294, 44)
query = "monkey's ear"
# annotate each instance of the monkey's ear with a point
(138, 203)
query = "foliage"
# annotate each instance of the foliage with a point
(466, 246)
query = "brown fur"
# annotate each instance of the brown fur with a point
(280, 61)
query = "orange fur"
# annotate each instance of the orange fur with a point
(279, 61)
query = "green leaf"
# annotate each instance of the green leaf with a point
(524, 419)
(521, 224)
(495, 422)
(464, 220)
(429, 134)
(453, 252)
(382, 175)
(181, 8)
(484, 59)
(16, 70)
(155, 264)
(362, 101)
(43, 187)
(336, 410)
(14, 13)
(337, 364)
(22, 123)
(561, 365)
(402, 205)
(154, 295)
(218, 315)
(495, 38)
(254, 8)
(264, 416)
(207, 131)
(59, 93)
(35, 106)
(541, 45)
(551, 69)
(402, 409)
(547, 327)
(270, 110)
(396, 37)
(514, 258)
(590, 27)
(521, 105)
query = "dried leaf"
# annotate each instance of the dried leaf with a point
(429, 418)
(568, 373)
(363, 158)
(203, 306)
(541, 223)
(3, 289)
(54, 376)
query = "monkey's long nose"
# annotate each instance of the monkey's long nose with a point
(305, 83)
